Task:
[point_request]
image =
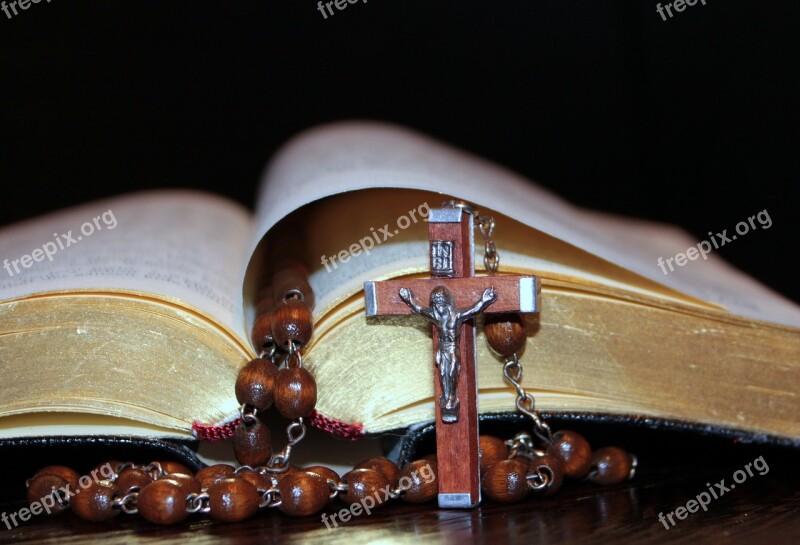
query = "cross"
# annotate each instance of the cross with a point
(454, 295)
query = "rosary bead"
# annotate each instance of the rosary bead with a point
(506, 481)
(189, 484)
(556, 467)
(211, 474)
(132, 477)
(491, 450)
(382, 465)
(261, 482)
(295, 392)
(43, 485)
(261, 335)
(68, 474)
(610, 465)
(505, 333)
(291, 281)
(162, 502)
(574, 451)
(95, 503)
(362, 483)
(174, 467)
(255, 384)
(292, 322)
(303, 493)
(325, 472)
(424, 485)
(251, 444)
(232, 500)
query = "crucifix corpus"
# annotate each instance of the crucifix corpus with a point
(450, 300)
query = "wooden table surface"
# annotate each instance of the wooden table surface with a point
(762, 509)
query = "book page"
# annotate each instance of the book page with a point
(184, 245)
(351, 156)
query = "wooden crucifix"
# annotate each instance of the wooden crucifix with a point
(450, 300)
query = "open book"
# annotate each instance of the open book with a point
(130, 316)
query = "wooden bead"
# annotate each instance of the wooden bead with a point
(292, 322)
(292, 282)
(382, 465)
(295, 393)
(505, 333)
(211, 474)
(189, 484)
(324, 472)
(419, 480)
(132, 477)
(43, 485)
(174, 467)
(255, 383)
(251, 444)
(261, 482)
(106, 470)
(95, 503)
(362, 483)
(574, 451)
(506, 481)
(303, 493)
(261, 334)
(491, 450)
(556, 468)
(162, 502)
(68, 474)
(232, 500)
(610, 465)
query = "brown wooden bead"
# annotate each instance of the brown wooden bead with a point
(261, 482)
(505, 333)
(68, 474)
(382, 465)
(556, 469)
(303, 493)
(362, 483)
(326, 473)
(261, 334)
(419, 480)
(491, 450)
(295, 393)
(506, 481)
(292, 282)
(251, 443)
(610, 465)
(574, 451)
(132, 477)
(162, 502)
(46, 485)
(292, 322)
(211, 474)
(189, 484)
(232, 500)
(106, 470)
(174, 467)
(255, 383)
(95, 503)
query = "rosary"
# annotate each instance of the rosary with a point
(465, 465)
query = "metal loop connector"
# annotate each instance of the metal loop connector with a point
(198, 503)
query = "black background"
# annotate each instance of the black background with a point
(690, 121)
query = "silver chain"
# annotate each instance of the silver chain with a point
(526, 404)
(491, 257)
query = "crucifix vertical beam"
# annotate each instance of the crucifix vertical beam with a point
(457, 442)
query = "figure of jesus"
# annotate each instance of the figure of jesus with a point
(447, 318)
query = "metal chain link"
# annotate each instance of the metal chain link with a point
(526, 404)
(295, 433)
(491, 257)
